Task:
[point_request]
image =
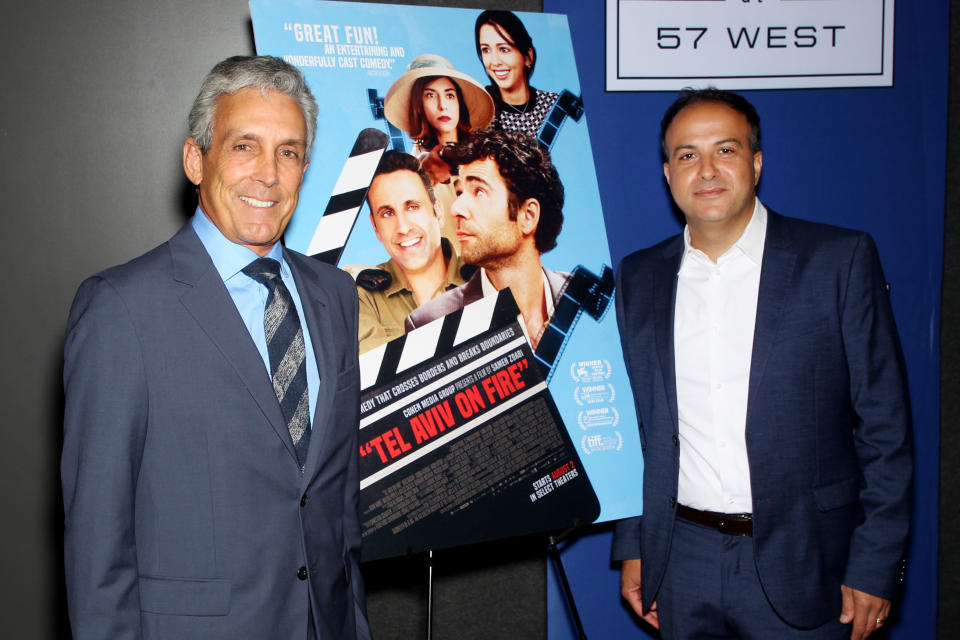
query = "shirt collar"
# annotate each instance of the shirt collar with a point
(488, 289)
(229, 257)
(452, 278)
(398, 280)
(750, 242)
(753, 237)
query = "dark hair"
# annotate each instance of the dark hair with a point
(393, 161)
(420, 130)
(526, 170)
(690, 97)
(510, 29)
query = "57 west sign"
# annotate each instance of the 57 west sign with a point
(665, 45)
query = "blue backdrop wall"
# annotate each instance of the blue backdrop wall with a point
(872, 159)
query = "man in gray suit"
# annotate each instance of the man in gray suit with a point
(210, 432)
(509, 211)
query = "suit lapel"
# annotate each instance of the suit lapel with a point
(557, 282)
(664, 303)
(472, 290)
(314, 300)
(776, 276)
(210, 304)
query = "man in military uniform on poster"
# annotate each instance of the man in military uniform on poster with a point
(407, 219)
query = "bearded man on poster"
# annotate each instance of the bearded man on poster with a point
(509, 212)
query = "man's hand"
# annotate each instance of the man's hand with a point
(867, 613)
(630, 590)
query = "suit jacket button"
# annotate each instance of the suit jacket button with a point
(673, 501)
(303, 500)
(676, 440)
(302, 573)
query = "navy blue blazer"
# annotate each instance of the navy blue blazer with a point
(186, 513)
(828, 423)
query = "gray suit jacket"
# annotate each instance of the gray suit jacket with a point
(470, 291)
(186, 514)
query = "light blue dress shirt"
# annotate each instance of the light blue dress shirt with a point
(250, 296)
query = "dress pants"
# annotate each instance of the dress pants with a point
(711, 590)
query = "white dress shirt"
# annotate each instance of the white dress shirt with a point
(714, 319)
(488, 290)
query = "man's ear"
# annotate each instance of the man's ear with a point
(528, 216)
(192, 161)
(376, 231)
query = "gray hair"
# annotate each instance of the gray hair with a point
(266, 73)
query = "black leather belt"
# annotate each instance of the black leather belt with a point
(735, 524)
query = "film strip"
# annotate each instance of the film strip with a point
(376, 108)
(436, 338)
(584, 292)
(566, 106)
(336, 224)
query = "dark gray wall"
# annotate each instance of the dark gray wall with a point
(95, 97)
(92, 117)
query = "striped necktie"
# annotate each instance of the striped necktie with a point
(288, 367)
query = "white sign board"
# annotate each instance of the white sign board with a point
(666, 45)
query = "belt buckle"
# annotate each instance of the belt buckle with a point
(724, 521)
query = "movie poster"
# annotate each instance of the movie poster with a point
(479, 419)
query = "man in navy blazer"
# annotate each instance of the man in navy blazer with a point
(770, 389)
(187, 511)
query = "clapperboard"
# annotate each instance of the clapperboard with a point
(335, 226)
(460, 440)
(376, 108)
